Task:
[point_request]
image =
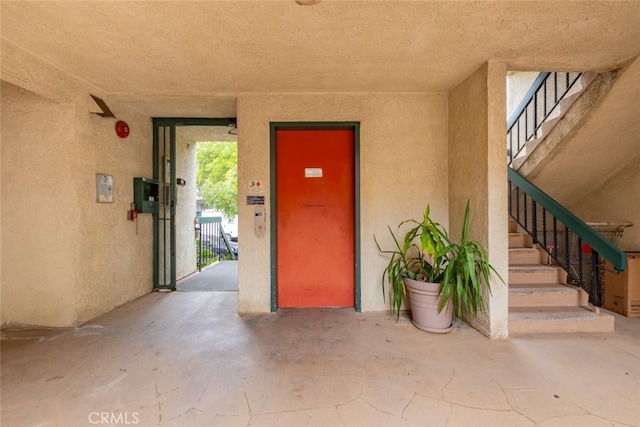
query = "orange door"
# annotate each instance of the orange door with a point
(315, 212)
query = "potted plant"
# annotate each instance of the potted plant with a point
(444, 278)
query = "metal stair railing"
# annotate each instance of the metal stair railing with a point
(570, 242)
(538, 104)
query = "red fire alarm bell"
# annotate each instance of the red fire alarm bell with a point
(122, 129)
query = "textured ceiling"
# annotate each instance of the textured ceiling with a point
(195, 134)
(169, 58)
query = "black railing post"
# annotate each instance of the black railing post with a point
(200, 253)
(567, 249)
(596, 286)
(534, 222)
(544, 97)
(535, 115)
(510, 147)
(524, 213)
(580, 261)
(510, 199)
(555, 238)
(544, 230)
(518, 205)
(519, 136)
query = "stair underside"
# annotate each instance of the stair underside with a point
(555, 117)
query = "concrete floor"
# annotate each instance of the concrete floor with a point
(188, 359)
(221, 276)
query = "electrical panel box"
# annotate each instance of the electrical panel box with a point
(146, 192)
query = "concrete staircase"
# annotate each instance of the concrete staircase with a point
(556, 115)
(539, 298)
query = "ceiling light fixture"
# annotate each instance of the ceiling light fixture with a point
(307, 2)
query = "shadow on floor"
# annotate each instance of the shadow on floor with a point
(222, 276)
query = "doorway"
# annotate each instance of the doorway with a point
(315, 211)
(174, 233)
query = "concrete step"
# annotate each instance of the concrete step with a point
(526, 320)
(532, 144)
(519, 240)
(527, 256)
(540, 301)
(544, 130)
(586, 79)
(536, 274)
(517, 162)
(546, 295)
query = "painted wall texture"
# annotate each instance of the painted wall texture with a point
(66, 258)
(403, 155)
(478, 173)
(39, 221)
(518, 83)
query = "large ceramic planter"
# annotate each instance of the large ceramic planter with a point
(424, 307)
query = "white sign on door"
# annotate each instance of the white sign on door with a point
(313, 172)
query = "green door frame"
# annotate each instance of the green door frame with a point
(171, 123)
(273, 211)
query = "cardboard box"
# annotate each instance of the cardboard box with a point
(622, 290)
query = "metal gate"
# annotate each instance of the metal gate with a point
(213, 243)
(164, 225)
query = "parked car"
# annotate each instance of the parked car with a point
(218, 247)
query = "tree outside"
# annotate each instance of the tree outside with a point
(217, 177)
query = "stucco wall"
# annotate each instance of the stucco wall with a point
(186, 207)
(115, 261)
(518, 83)
(403, 155)
(39, 219)
(616, 200)
(478, 173)
(66, 258)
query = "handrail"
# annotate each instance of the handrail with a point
(541, 100)
(527, 98)
(597, 242)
